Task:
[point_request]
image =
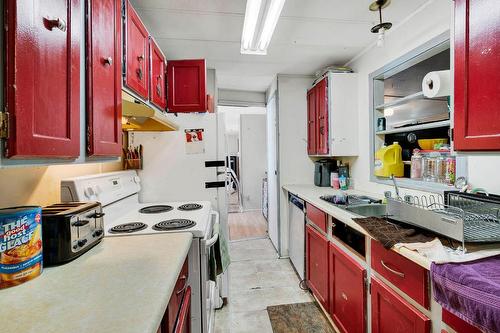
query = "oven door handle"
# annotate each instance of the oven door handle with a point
(215, 234)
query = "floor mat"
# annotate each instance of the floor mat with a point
(298, 318)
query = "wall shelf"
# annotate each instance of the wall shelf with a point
(436, 124)
(406, 99)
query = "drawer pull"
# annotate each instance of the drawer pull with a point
(392, 270)
(184, 277)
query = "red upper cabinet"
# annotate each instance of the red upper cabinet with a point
(104, 106)
(392, 314)
(158, 71)
(186, 86)
(477, 68)
(347, 291)
(322, 117)
(43, 78)
(311, 122)
(317, 264)
(136, 54)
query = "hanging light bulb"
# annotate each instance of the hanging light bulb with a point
(382, 26)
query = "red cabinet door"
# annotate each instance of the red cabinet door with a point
(174, 305)
(311, 121)
(104, 85)
(322, 117)
(43, 78)
(184, 321)
(392, 314)
(477, 68)
(317, 264)
(158, 70)
(186, 86)
(136, 54)
(347, 291)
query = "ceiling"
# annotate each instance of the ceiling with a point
(310, 35)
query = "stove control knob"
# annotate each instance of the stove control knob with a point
(97, 233)
(75, 247)
(89, 192)
(82, 242)
(137, 180)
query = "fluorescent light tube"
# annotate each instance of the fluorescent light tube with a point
(251, 16)
(273, 14)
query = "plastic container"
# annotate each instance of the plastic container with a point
(389, 161)
(335, 183)
(343, 183)
(21, 257)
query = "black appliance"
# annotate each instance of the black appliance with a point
(322, 171)
(69, 230)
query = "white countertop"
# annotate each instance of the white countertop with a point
(312, 194)
(121, 285)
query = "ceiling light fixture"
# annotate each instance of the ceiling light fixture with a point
(382, 26)
(261, 18)
(251, 16)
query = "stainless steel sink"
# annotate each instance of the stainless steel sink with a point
(377, 210)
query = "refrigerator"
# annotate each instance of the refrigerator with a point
(186, 165)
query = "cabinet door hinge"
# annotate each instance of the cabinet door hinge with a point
(4, 125)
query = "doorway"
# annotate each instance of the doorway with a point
(246, 160)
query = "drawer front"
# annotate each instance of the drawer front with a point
(458, 324)
(403, 273)
(316, 216)
(392, 314)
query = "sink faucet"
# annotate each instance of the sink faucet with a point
(396, 188)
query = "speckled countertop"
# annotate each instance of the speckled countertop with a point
(311, 194)
(121, 285)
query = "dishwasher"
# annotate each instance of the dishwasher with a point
(296, 234)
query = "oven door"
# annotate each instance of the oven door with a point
(209, 295)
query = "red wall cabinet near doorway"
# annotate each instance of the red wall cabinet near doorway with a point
(43, 78)
(311, 122)
(104, 97)
(317, 264)
(347, 291)
(158, 70)
(477, 68)
(186, 86)
(317, 119)
(136, 54)
(392, 314)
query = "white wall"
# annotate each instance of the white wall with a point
(253, 159)
(294, 165)
(426, 24)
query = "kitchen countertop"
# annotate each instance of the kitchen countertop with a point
(121, 285)
(311, 194)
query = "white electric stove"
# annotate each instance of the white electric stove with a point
(126, 216)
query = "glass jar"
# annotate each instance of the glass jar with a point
(429, 168)
(416, 165)
(440, 169)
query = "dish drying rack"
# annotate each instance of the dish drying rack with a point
(465, 217)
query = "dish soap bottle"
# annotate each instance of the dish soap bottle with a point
(389, 161)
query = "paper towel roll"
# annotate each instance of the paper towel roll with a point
(436, 84)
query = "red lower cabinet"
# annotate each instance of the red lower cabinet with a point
(392, 314)
(347, 291)
(183, 323)
(176, 303)
(458, 324)
(317, 264)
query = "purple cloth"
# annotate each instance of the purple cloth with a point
(470, 290)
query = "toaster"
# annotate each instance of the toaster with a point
(69, 230)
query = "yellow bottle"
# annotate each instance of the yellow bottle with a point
(389, 161)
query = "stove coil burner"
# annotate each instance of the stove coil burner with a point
(127, 228)
(175, 224)
(190, 206)
(156, 209)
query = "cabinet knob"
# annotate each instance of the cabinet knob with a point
(158, 85)
(51, 23)
(140, 58)
(108, 61)
(139, 73)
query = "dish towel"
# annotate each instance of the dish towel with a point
(470, 290)
(219, 256)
